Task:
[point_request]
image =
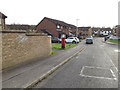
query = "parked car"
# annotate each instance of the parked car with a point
(107, 37)
(89, 40)
(72, 40)
(114, 38)
(55, 40)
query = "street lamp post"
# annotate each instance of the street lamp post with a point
(77, 27)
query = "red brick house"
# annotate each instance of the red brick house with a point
(105, 31)
(95, 31)
(55, 27)
(102, 31)
(85, 31)
(116, 30)
(2, 21)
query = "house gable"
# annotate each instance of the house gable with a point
(55, 27)
(47, 26)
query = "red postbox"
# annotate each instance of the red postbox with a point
(63, 41)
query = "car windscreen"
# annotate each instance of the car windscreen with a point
(88, 39)
(70, 38)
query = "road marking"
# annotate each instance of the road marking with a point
(111, 61)
(82, 70)
(116, 50)
(77, 57)
(82, 51)
(83, 75)
(113, 64)
(99, 77)
(96, 67)
(113, 74)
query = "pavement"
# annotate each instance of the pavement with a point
(26, 75)
(107, 42)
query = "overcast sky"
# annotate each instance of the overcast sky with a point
(89, 12)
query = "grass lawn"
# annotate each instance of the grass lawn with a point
(54, 52)
(114, 41)
(58, 45)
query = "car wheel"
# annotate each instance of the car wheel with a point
(74, 42)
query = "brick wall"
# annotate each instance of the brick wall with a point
(18, 47)
(0, 51)
(90, 32)
(2, 23)
(118, 31)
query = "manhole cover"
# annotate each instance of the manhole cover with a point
(97, 72)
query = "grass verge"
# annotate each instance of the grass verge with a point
(114, 41)
(58, 46)
(54, 52)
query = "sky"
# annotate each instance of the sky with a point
(94, 13)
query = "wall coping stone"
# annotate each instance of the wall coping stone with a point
(12, 31)
(36, 34)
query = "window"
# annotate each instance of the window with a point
(70, 38)
(58, 26)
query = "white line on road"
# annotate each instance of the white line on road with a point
(77, 57)
(99, 77)
(82, 70)
(111, 61)
(83, 75)
(96, 67)
(116, 50)
(114, 65)
(113, 74)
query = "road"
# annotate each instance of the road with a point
(95, 67)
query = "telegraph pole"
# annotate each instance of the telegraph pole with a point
(77, 27)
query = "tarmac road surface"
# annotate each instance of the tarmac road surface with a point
(94, 67)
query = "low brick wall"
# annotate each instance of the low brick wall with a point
(0, 51)
(18, 47)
